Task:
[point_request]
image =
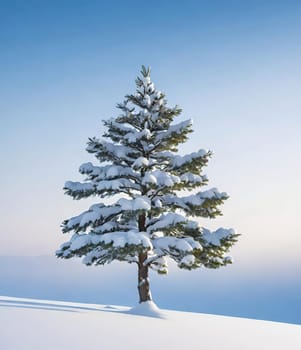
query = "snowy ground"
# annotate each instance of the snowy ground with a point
(30, 324)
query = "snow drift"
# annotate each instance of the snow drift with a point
(29, 324)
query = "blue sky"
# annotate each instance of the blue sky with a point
(233, 66)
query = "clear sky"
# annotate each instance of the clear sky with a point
(233, 66)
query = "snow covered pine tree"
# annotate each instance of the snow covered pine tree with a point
(151, 218)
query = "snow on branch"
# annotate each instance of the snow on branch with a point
(137, 136)
(180, 161)
(217, 237)
(108, 151)
(116, 186)
(200, 204)
(160, 178)
(107, 172)
(192, 162)
(121, 244)
(96, 215)
(165, 222)
(182, 245)
(140, 163)
(183, 250)
(136, 204)
(191, 180)
(116, 127)
(79, 190)
(174, 135)
(104, 180)
(216, 244)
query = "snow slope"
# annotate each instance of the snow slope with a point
(30, 324)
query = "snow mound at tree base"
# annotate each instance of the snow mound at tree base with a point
(147, 308)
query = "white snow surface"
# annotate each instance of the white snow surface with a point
(149, 308)
(28, 324)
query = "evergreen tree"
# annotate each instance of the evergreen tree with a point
(151, 217)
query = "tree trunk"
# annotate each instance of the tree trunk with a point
(143, 281)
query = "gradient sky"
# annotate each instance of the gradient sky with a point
(233, 66)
